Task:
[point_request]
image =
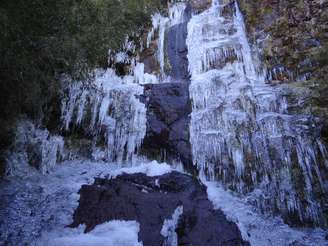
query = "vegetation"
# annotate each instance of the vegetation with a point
(42, 39)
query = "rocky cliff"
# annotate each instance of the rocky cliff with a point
(292, 40)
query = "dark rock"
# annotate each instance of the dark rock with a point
(176, 48)
(137, 197)
(177, 51)
(168, 109)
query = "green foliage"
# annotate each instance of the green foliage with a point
(41, 39)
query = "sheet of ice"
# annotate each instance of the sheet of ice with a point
(144, 78)
(258, 229)
(169, 227)
(113, 233)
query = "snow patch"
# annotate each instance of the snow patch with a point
(113, 233)
(258, 229)
(151, 169)
(34, 149)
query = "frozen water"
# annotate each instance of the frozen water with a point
(258, 229)
(241, 131)
(109, 108)
(144, 78)
(151, 169)
(113, 233)
(161, 24)
(169, 227)
(34, 149)
(37, 208)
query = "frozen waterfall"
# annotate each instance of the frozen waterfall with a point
(241, 131)
(108, 108)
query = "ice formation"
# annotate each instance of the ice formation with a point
(34, 149)
(151, 169)
(52, 198)
(257, 229)
(160, 25)
(110, 108)
(169, 227)
(241, 131)
(39, 207)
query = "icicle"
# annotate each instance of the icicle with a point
(169, 227)
(241, 132)
(116, 113)
(34, 148)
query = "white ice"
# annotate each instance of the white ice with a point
(169, 227)
(38, 207)
(241, 132)
(113, 233)
(258, 229)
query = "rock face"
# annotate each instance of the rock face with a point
(167, 134)
(152, 200)
(168, 104)
(176, 48)
(292, 37)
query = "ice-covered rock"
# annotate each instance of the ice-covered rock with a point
(109, 109)
(156, 202)
(33, 149)
(241, 130)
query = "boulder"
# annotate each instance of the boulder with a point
(152, 200)
(168, 116)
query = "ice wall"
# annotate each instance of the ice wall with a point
(110, 108)
(241, 131)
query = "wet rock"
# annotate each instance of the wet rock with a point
(152, 200)
(288, 32)
(176, 48)
(167, 136)
(177, 51)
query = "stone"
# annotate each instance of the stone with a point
(152, 200)
(168, 116)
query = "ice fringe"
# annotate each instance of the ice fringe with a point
(257, 229)
(109, 108)
(169, 227)
(241, 130)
